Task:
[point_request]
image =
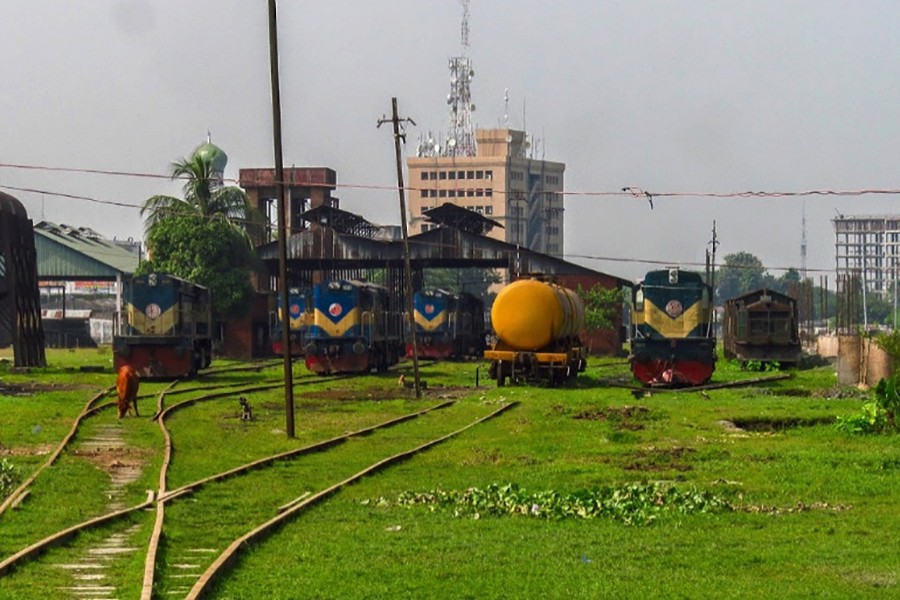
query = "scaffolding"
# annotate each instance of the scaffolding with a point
(868, 247)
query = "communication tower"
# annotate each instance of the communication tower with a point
(803, 245)
(461, 131)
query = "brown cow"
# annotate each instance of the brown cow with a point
(127, 386)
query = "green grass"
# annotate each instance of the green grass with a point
(563, 440)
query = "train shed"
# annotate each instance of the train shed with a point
(339, 244)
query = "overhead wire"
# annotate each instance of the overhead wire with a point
(630, 191)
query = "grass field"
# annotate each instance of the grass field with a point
(798, 508)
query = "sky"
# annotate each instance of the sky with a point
(692, 97)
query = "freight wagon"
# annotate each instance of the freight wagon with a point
(536, 325)
(762, 326)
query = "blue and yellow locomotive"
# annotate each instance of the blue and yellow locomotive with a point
(672, 338)
(352, 328)
(167, 326)
(448, 325)
(298, 312)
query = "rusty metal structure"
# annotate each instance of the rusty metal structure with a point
(336, 244)
(20, 305)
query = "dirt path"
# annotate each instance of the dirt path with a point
(90, 573)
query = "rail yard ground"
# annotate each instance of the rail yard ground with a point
(746, 492)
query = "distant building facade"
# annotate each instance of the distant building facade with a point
(500, 181)
(869, 247)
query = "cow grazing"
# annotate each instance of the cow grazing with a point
(127, 387)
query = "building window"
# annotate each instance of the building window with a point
(488, 174)
(460, 174)
(479, 174)
(479, 193)
(488, 210)
(424, 175)
(424, 193)
(432, 193)
(452, 175)
(470, 193)
(442, 175)
(451, 193)
(489, 192)
(442, 193)
(470, 174)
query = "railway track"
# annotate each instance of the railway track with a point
(193, 571)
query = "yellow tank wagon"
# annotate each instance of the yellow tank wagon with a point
(536, 326)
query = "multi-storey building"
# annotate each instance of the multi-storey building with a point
(869, 247)
(500, 181)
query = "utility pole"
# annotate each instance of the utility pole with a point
(398, 137)
(712, 280)
(282, 229)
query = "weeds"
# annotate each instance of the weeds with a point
(878, 416)
(9, 477)
(631, 504)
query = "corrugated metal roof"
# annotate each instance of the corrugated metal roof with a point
(73, 253)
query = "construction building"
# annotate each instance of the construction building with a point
(868, 247)
(501, 182)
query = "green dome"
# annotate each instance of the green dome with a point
(215, 155)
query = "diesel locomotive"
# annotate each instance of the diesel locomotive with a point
(672, 338)
(299, 308)
(762, 325)
(536, 325)
(351, 328)
(167, 328)
(448, 325)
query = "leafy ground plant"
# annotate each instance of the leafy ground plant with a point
(878, 416)
(631, 504)
(9, 477)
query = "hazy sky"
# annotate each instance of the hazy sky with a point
(688, 96)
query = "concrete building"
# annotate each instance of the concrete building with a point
(500, 181)
(869, 247)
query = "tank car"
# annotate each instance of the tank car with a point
(762, 325)
(167, 326)
(536, 326)
(351, 328)
(448, 325)
(298, 311)
(672, 338)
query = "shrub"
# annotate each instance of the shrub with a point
(9, 477)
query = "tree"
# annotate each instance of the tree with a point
(600, 307)
(743, 272)
(204, 194)
(209, 252)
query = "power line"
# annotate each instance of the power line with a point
(71, 196)
(626, 192)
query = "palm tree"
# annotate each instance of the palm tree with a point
(204, 194)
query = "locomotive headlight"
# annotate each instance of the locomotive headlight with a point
(639, 300)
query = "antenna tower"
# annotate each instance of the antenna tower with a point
(461, 131)
(803, 244)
